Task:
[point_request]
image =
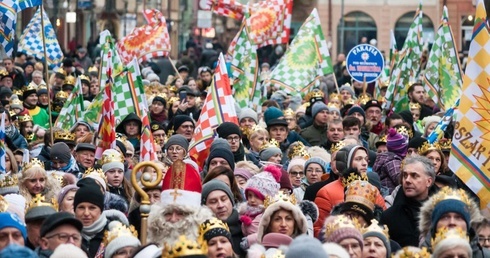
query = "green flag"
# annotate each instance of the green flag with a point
(73, 108)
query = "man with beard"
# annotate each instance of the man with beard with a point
(416, 94)
(180, 211)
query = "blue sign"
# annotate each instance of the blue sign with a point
(365, 62)
(84, 4)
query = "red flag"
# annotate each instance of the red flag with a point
(218, 108)
(227, 8)
(106, 133)
(148, 41)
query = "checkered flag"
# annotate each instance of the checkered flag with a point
(24, 4)
(228, 8)
(73, 108)
(305, 61)
(443, 77)
(8, 19)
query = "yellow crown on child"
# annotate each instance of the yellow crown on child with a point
(25, 118)
(429, 147)
(61, 95)
(16, 101)
(414, 105)
(3, 204)
(341, 221)
(280, 197)
(111, 157)
(299, 150)
(64, 135)
(185, 247)
(375, 227)
(269, 144)
(99, 172)
(337, 146)
(70, 80)
(403, 130)
(34, 163)
(117, 229)
(8, 180)
(445, 144)
(447, 233)
(333, 105)
(39, 200)
(288, 112)
(211, 224)
(84, 77)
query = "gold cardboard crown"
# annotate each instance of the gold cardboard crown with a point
(15, 101)
(414, 105)
(64, 135)
(341, 221)
(12, 114)
(173, 89)
(279, 197)
(61, 71)
(34, 163)
(428, 147)
(8, 180)
(350, 102)
(375, 227)
(171, 101)
(411, 253)
(247, 131)
(3, 72)
(3, 204)
(212, 223)
(94, 171)
(112, 157)
(314, 94)
(70, 80)
(299, 150)
(403, 130)
(448, 193)
(363, 99)
(337, 146)
(334, 96)
(61, 95)
(383, 139)
(117, 229)
(39, 200)
(288, 112)
(446, 233)
(121, 137)
(30, 87)
(333, 105)
(445, 144)
(353, 177)
(185, 247)
(17, 92)
(361, 192)
(25, 118)
(84, 77)
(93, 69)
(59, 178)
(385, 83)
(30, 137)
(269, 144)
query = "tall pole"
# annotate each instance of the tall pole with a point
(46, 72)
(342, 25)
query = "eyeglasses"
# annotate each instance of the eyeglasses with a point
(65, 237)
(297, 174)
(483, 239)
(233, 138)
(125, 252)
(175, 149)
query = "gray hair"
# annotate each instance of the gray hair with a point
(425, 162)
(37, 72)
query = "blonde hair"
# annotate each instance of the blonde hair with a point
(14, 168)
(258, 132)
(51, 188)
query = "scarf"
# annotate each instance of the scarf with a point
(239, 155)
(251, 213)
(89, 232)
(158, 117)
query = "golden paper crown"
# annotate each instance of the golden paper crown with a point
(3, 72)
(3, 204)
(414, 105)
(375, 227)
(17, 92)
(448, 193)
(8, 180)
(403, 130)
(445, 144)
(61, 71)
(385, 83)
(171, 101)
(16, 101)
(428, 147)
(34, 163)
(61, 95)
(30, 87)
(39, 200)
(353, 177)
(12, 113)
(64, 135)
(363, 99)
(341, 221)
(173, 89)
(411, 252)
(333, 105)
(30, 137)
(185, 247)
(383, 139)
(117, 229)
(93, 69)
(288, 112)
(25, 118)
(333, 96)
(361, 192)
(112, 157)
(299, 150)
(447, 233)
(337, 146)
(97, 172)
(269, 144)
(314, 94)
(350, 102)
(212, 223)
(121, 137)
(70, 80)
(59, 178)
(279, 197)
(84, 77)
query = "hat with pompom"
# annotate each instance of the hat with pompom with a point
(396, 143)
(265, 183)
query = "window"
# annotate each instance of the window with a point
(403, 25)
(356, 26)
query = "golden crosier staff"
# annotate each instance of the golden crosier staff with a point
(146, 181)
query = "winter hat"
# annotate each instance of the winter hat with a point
(317, 108)
(245, 173)
(148, 251)
(447, 239)
(216, 185)
(416, 142)
(214, 227)
(334, 249)
(119, 236)
(285, 182)
(396, 143)
(269, 152)
(64, 191)
(248, 112)
(68, 251)
(15, 251)
(98, 176)
(348, 88)
(122, 146)
(39, 212)
(429, 120)
(112, 159)
(450, 205)
(296, 162)
(272, 113)
(406, 116)
(228, 128)
(89, 192)
(344, 156)
(9, 184)
(343, 227)
(219, 143)
(372, 103)
(306, 246)
(318, 161)
(10, 220)
(16, 204)
(60, 151)
(222, 153)
(265, 183)
(57, 219)
(178, 120)
(274, 240)
(179, 140)
(381, 232)
(357, 109)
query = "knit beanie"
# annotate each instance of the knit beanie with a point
(89, 192)
(219, 229)
(416, 142)
(285, 182)
(68, 251)
(228, 128)
(222, 153)
(122, 147)
(318, 107)
(429, 120)
(450, 205)
(124, 240)
(9, 184)
(10, 220)
(357, 109)
(248, 112)
(318, 161)
(296, 162)
(306, 246)
(342, 228)
(112, 159)
(269, 152)
(219, 143)
(347, 88)
(245, 173)
(60, 151)
(407, 116)
(396, 143)
(64, 191)
(274, 240)
(374, 230)
(265, 183)
(179, 140)
(15, 251)
(16, 204)
(272, 113)
(178, 120)
(216, 185)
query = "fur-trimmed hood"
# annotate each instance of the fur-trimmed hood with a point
(301, 222)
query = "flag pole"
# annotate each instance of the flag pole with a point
(175, 69)
(46, 67)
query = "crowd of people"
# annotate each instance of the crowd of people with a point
(327, 175)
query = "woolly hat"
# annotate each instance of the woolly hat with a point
(228, 128)
(381, 232)
(406, 116)
(296, 162)
(245, 173)
(123, 147)
(269, 152)
(416, 142)
(155, 126)
(64, 191)
(39, 213)
(112, 159)
(16, 204)
(285, 182)
(89, 191)
(10, 220)
(60, 151)
(334, 249)
(160, 99)
(222, 153)
(342, 228)
(15, 251)
(149, 251)
(265, 183)
(179, 140)
(272, 113)
(450, 205)
(357, 109)
(348, 88)
(123, 238)
(9, 184)
(396, 143)
(318, 161)
(447, 239)
(429, 120)
(216, 185)
(68, 251)
(178, 120)
(212, 228)
(344, 156)
(274, 240)
(306, 246)
(317, 108)
(360, 197)
(248, 112)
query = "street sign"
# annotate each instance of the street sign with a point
(204, 19)
(365, 61)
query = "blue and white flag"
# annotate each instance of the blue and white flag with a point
(440, 128)
(2, 145)
(8, 19)
(24, 4)
(31, 41)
